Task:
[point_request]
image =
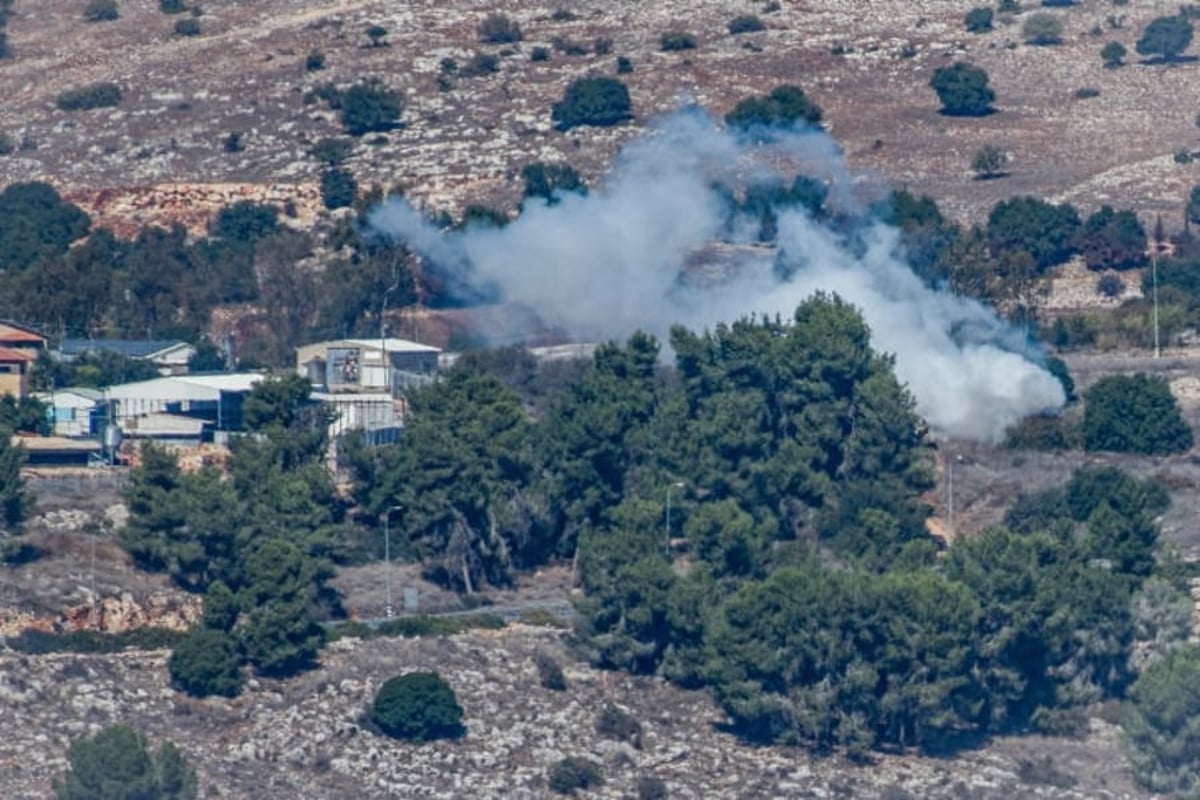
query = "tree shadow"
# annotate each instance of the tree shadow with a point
(991, 176)
(948, 112)
(1158, 61)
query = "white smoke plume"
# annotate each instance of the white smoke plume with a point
(603, 265)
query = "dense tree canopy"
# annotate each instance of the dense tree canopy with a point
(596, 101)
(784, 107)
(1162, 739)
(963, 90)
(1134, 414)
(1027, 224)
(115, 764)
(547, 181)
(460, 480)
(36, 223)
(419, 707)
(370, 106)
(1166, 37)
(1111, 239)
(15, 500)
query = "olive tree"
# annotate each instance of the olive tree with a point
(1166, 37)
(963, 90)
(989, 162)
(598, 101)
(1113, 54)
(1042, 29)
(419, 707)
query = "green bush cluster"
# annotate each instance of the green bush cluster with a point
(785, 106)
(418, 707)
(574, 772)
(745, 23)
(1134, 414)
(978, 20)
(550, 673)
(616, 723)
(101, 11)
(86, 98)
(188, 27)
(37, 642)
(116, 764)
(598, 101)
(963, 90)
(206, 662)
(417, 626)
(676, 40)
(368, 106)
(497, 28)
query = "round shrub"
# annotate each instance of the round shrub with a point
(101, 11)
(418, 707)
(676, 40)
(188, 27)
(651, 787)
(593, 101)
(205, 663)
(574, 772)
(745, 23)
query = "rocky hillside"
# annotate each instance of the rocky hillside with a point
(466, 138)
(305, 738)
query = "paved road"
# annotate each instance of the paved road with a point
(561, 608)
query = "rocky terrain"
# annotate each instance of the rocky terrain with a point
(161, 155)
(305, 738)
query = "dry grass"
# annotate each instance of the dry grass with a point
(246, 73)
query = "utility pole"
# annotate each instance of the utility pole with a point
(387, 559)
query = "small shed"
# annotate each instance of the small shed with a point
(75, 410)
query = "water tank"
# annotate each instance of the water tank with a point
(112, 438)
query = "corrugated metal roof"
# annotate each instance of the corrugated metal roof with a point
(80, 392)
(186, 387)
(394, 345)
(225, 381)
(130, 348)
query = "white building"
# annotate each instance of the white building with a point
(73, 410)
(377, 414)
(366, 365)
(215, 398)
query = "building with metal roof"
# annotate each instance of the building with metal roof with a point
(215, 398)
(170, 357)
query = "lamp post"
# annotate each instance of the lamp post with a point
(387, 559)
(667, 540)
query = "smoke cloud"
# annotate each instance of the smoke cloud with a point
(603, 265)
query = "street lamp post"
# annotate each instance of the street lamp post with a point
(387, 559)
(667, 540)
